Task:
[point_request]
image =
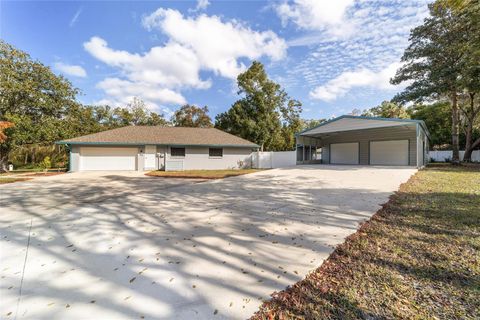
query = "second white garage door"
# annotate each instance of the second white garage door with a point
(105, 158)
(392, 153)
(344, 153)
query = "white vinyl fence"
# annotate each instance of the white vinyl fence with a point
(273, 159)
(446, 155)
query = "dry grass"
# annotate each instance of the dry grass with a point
(12, 180)
(42, 174)
(201, 174)
(9, 173)
(417, 258)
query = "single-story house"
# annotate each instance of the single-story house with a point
(159, 148)
(365, 141)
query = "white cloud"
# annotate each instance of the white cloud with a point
(218, 45)
(317, 15)
(170, 66)
(71, 70)
(155, 76)
(379, 38)
(348, 80)
(202, 5)
(120, 92)
(202, 43)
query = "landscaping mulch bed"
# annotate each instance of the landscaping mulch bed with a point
(417, 258)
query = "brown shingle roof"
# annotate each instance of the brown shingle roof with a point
(162, 136)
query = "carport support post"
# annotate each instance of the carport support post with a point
(303, 156)
(69, 158)
(417, 131)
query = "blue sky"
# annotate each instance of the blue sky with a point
(333, 56)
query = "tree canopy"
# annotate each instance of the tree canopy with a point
(192, 116)
(387, 109)
(437, 118)
(265, 114)
(442, 57)
(33, 98)
(43, 108)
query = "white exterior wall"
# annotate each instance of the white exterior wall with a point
(197, 158)
(74, 158)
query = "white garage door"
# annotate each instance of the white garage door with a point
(105, 158)
(344, 153)
(393, 153)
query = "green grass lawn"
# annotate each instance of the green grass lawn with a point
(201, 174)
(417, 258)
(11, 180)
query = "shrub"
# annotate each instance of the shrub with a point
(46, 163)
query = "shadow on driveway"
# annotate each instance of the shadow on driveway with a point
(127, 246)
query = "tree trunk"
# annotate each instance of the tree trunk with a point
(467, 157)
(470, 116)
(455, 142)
(3, 164)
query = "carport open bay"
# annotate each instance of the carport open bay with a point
(123, 245)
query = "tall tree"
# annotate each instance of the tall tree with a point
(469, 100)
(135, 113)
(311, 123)
(3, 138)
(433, 61)
(387, 109)
(265, 114)
(33, 98)
(437, 117)
(291, 123)
(470, 122)
(192, 116)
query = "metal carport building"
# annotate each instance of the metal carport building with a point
(365, 141)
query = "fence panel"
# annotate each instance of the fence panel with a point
(282, 159)
(273, 159)
(446, 155)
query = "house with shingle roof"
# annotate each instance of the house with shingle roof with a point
(159, 148)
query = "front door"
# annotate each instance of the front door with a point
(161, 161)
(149, 157)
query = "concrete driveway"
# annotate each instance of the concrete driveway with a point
(123, 245)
